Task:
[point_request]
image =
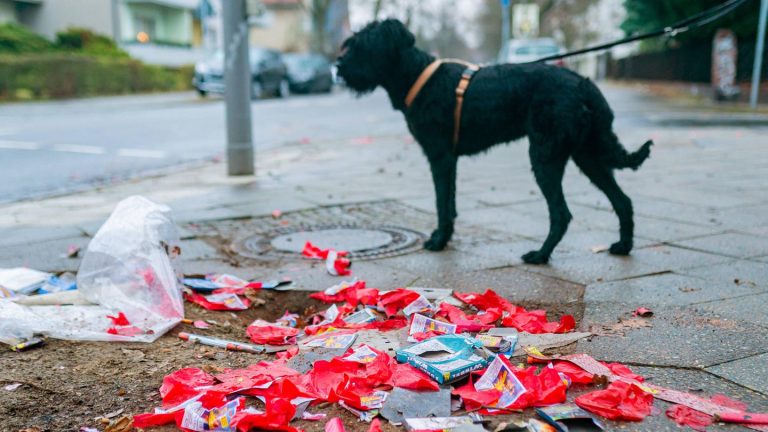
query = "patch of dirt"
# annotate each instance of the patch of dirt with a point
(67, 385)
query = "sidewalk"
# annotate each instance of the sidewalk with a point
(700, 263)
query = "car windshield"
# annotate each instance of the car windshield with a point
(537, 50)
(303, 62)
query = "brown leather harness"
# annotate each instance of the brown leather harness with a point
(461, 89)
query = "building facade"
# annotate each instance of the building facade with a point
(164, 32)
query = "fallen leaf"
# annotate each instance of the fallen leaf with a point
(123, 424)
(620, 328)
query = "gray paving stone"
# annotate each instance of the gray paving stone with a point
(668, 258)
(751, 308)
(664, 290)
(44, 256)
(645, 227)
(678, 336)
(509, 220)
(735, 245)
(266, 207)
(735, 272)
(25, 234)
(588, 267)
(448, 261)
(194, 250)
(751, 372)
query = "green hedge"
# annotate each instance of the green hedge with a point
(66, 75)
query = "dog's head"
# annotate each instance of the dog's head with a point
(371, 54)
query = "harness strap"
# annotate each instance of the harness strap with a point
(466, 76)
(427, 73)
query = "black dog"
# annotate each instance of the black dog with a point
(563, 114)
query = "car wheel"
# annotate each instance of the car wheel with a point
(202, 93)
(285, 88)
(257, 90)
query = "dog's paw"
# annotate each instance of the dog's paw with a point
(437, 241)
(621, 248)
(535, 257)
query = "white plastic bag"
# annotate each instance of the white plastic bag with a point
(130, 266)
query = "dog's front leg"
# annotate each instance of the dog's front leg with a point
(444, 176)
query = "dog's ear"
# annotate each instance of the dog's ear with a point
(397, 34)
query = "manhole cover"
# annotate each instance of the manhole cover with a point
(361, 242)
(368, 230)
(350, 239)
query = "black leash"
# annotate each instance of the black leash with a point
(695, 21)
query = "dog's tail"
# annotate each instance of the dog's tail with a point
(608, 146)
(624, 159)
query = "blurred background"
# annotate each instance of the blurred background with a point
(61, 54)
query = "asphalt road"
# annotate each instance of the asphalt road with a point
(54, 147)
(50, 148)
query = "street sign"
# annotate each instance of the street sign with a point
(525, 20)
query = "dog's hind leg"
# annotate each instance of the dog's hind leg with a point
(549, 176)
(602, 177)
(444, 176)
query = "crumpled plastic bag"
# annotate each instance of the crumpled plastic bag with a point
(130, 266)
(619, 401)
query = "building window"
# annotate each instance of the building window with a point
(145, 28)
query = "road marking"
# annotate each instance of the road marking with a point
(71, 148)
(141, 153)
(19, 145)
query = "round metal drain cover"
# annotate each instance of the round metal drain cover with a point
(362, 242)
(351, 240)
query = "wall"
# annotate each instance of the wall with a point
(285, 31)
(50, 17)
(7, 11)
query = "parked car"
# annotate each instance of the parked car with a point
(309, 73)
(268, 71)
(529, 50)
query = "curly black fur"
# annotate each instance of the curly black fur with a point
(563, 115)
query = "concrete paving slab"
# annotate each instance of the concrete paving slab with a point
(664, 290)
(732, 244)
(677, 336)
(588, 267)
(750, 372)
(748, 308)
(25, 234)
(446, 261)
(193, 250)
(734, 272)
(649, 228)
(262, 207)
(46, 256)
(508, 219)
(668, 258)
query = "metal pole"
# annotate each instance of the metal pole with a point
(237, 89)
(759, 50)
(504, 30)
